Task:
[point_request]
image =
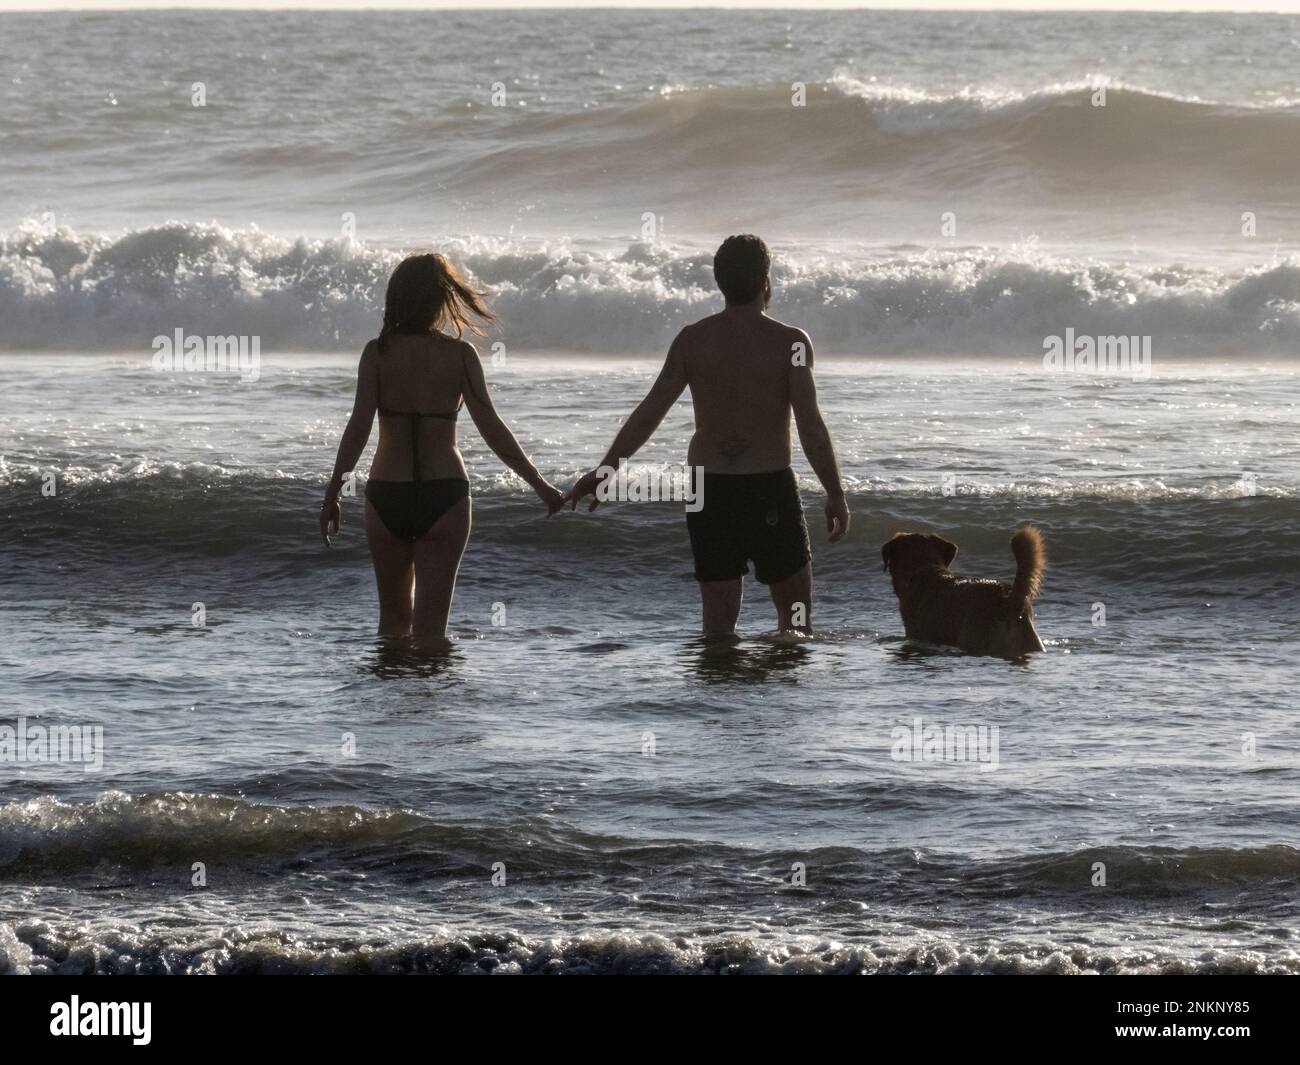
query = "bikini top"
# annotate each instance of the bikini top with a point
(415, 416)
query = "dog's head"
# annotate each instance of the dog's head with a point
(906, 553)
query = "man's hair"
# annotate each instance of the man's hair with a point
(740, 267)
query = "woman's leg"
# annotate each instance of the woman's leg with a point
(394, 574)
(437, 561)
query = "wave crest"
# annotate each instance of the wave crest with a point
(64, 291)
(38, 948)
(165, 829)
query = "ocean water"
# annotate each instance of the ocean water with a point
(948, 185)
(581, 784)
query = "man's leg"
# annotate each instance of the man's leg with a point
(721, 602)
(792, 597)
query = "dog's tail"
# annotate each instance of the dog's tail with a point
(1031, 560)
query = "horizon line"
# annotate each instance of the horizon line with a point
(1177, 7)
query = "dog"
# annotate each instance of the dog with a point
(980, 616)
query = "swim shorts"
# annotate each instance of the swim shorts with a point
(747, 517)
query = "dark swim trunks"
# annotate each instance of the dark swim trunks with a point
(746, 516)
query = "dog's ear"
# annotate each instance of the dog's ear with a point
(887, 551)
(947, 547)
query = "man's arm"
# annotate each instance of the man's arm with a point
(815, 439)
(643, 421)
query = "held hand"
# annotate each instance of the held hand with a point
(551, 496)
(330, 515)
(837, 519)
(586, 486)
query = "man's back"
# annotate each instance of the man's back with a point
(737, 364)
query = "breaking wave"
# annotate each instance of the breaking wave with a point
(66, 291)
(37, 948)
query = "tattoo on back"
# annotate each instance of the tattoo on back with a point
(733, 447)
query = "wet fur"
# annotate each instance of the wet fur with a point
(978, 615)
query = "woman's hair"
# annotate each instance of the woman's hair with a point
(426, 293)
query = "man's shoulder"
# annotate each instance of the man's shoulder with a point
(792, 332)
(700, 324)
(711, 321)
(694, 333)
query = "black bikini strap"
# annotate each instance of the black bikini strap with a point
(413, 415)
(415, 448)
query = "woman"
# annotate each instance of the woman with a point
(417, 376)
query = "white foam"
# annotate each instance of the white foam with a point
(68, 291)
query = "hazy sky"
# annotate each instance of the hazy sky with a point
(1289, 6)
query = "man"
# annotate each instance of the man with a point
(746, 373)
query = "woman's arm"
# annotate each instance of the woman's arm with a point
(355, 436)
(497, 435)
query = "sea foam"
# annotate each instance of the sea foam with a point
(61, 290)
